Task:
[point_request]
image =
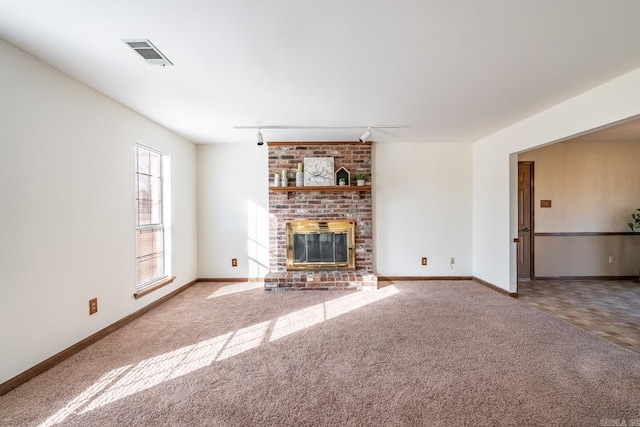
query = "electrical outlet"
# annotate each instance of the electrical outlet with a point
(452, 260)
(234, 262)
(424, 260)
(610, 259)
(93, 306)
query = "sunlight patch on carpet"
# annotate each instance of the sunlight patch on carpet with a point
(128, 380)
(167, 366)
(84, 397)
(236, 288)
(245, 339)
(307, 317)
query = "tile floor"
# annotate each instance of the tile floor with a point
(610, 309)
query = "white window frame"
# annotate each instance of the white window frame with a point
(164, 225)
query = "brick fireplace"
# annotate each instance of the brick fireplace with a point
(322, 204)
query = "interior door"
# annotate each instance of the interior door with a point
(525, 220)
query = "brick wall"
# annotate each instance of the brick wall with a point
(322, 205)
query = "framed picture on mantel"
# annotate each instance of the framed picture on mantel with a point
(318, 171)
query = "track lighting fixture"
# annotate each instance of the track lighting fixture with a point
(365, 136)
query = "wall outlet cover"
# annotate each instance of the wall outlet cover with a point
(93, 306)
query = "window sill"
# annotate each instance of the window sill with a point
(152, 287)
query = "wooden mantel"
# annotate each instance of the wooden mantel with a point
(325, 188)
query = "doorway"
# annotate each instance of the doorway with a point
(525, 221)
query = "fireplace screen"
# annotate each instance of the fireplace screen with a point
(315, 245)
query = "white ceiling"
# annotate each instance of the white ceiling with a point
(452, 70)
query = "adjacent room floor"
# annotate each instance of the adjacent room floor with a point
(610, 309)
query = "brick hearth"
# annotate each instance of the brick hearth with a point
(321, 280)
(321, 205)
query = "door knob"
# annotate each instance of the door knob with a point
(526, 229)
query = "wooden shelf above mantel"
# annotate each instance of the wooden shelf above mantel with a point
(326, 189)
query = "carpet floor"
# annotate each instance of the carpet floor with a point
(411, 353)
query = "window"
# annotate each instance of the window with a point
(152, 216)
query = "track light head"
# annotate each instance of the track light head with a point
(260, 138)
(365, 136)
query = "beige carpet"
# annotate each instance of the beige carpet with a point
(411, 353)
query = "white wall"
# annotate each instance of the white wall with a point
(422, 207)
(233, 207)
(67, 217)
(593, 186)
(494, 222)
(422, 197)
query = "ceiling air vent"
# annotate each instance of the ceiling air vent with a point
(148, 51)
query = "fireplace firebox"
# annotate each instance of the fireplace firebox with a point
(320, 245)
